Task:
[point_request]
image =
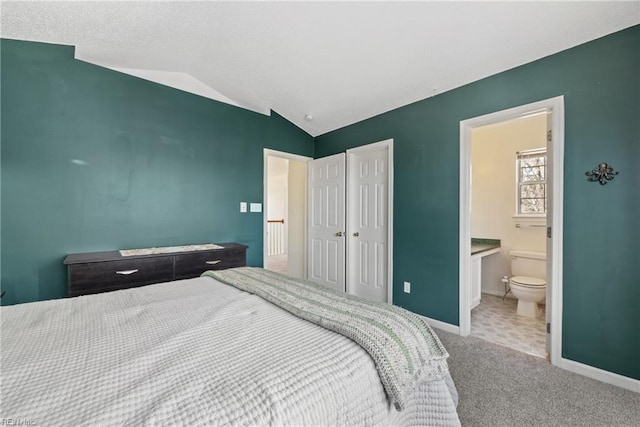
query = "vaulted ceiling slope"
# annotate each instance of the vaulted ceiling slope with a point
(339, 62)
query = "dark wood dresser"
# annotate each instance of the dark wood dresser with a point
(95, 272)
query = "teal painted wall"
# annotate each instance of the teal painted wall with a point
(601, 84)
(161, 166)
(166, 167)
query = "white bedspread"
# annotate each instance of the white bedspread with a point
(194, 352)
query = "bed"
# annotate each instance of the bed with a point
(200, 352)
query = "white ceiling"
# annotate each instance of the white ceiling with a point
(340, 62)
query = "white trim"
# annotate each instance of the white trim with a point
(284, 155)
(447, 327)
(557, 229)
(600, 375)
(464, 256)
(375, 146)
(556, 106)
(532, 152)
(265, 195)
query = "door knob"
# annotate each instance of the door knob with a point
(356, 234)
(339, 234)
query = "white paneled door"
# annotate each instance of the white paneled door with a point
(368, 222)
(326, 204)
(349, 237)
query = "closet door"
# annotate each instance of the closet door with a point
(368, 200)
(326, 236)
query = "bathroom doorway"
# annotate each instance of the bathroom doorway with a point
(508, 216)
(285, 212)
(500, 224)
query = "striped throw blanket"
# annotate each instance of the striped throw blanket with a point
(403, 347)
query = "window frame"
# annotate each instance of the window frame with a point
(521, 155)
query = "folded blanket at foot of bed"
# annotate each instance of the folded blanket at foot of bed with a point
(405, 350)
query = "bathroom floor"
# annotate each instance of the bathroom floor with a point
(496, 321)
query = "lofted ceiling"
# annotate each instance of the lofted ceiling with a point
(340, 62)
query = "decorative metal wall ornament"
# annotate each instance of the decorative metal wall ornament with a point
(602, 173)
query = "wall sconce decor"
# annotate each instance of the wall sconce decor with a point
(602, 173)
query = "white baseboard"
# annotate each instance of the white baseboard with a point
(447, 327)
(600, 375)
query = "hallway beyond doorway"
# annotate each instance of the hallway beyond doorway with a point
(278, 263)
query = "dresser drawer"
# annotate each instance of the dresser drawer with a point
(96, 277)
(95, 272)
(194, 264)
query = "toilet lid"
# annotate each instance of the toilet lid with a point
(528, 281)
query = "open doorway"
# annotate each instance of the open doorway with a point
(508, 238)
(552, 110)
(285, 213)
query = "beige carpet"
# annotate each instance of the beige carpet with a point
(503, 387)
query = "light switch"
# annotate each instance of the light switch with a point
(243, 206)
(256, 207)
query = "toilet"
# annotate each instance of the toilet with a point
(527, 282)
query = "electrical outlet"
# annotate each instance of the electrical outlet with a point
(407, 287)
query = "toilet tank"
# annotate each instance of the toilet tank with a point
(529, 264)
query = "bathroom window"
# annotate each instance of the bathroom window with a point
(531, 170)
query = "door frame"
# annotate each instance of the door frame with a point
(375, 146)
(556, 106)
(265, 199)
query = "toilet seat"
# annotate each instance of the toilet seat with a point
(531, 282)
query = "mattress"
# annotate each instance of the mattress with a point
(193, 352)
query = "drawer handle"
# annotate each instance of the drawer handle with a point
(127, 272)
(213, 262)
